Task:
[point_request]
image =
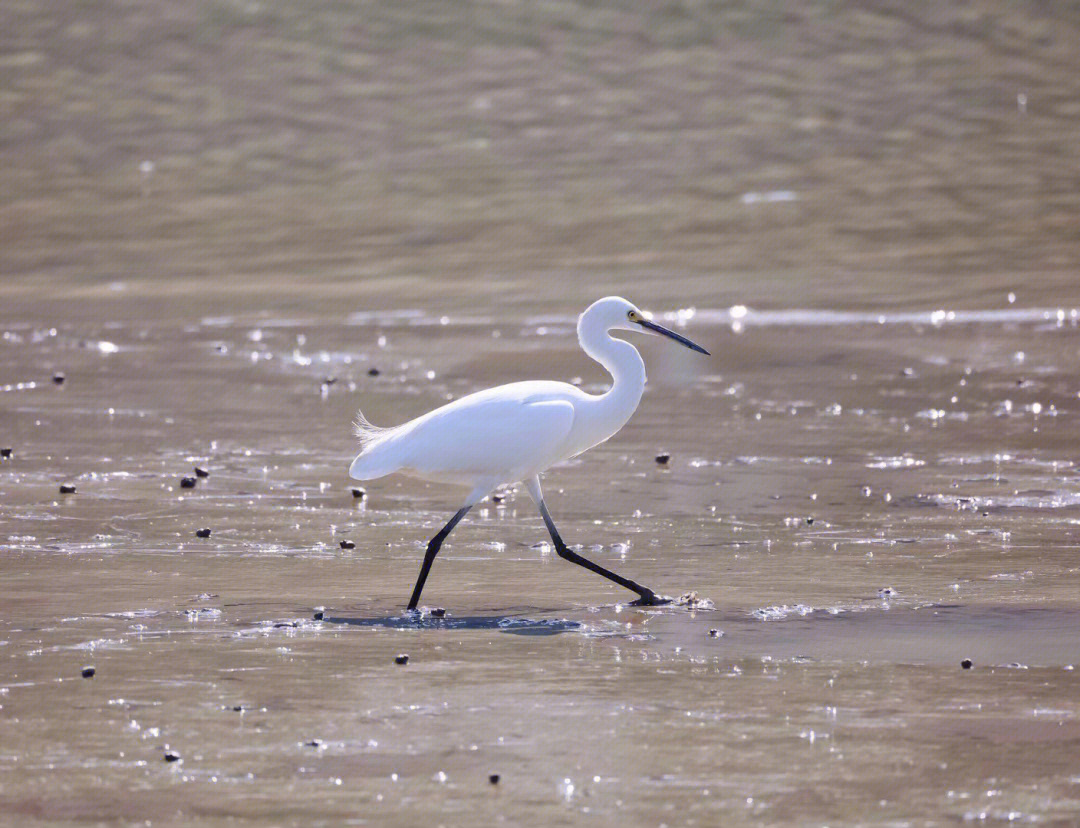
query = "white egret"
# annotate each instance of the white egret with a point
(514, 432)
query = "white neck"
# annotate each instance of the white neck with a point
(622, 360)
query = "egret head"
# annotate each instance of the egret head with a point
(615, 313)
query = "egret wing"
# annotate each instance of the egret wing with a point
(503, 437)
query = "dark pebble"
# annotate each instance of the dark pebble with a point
(663, 457)
(329, 380)
(809, 521)
(88, 672)
(359, 493)
(494, 779)
(498, 498)
(201, 472)
(438, 612)
(319, 614)
(401, 659)
(714, 633)
(5, 452)
(238, 708)
(67, 488)
(172, 756)
(187, 482)
(347, 544)
(59, 378)
(202, 533)
(885, 591)
(373, 371)
(967, 664)
(315, 743)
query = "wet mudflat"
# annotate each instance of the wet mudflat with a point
(861, 506)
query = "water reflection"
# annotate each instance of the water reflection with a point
(514, 625)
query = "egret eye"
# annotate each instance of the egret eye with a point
(633, 316)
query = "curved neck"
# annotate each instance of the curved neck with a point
(624, 363)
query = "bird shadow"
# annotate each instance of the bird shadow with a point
(510, 624)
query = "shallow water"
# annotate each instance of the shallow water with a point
(210, 211)
(850, 548)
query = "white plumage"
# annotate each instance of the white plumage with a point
(496, 436)
(514, 432)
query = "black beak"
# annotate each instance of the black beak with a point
(682, 340)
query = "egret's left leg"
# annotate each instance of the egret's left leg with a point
(432, 551)
(645, 595)
(477, 494)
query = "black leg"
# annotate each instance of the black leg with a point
(432, 551)
(647, 596)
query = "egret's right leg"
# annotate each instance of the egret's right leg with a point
(645, 595)
(432, 551)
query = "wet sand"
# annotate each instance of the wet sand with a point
(873, 479)
(836, 662)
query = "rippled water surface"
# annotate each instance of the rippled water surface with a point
(228, 226)
(859, 506)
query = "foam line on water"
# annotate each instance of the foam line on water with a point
(796, 317)
(742, 316)
(736, 316)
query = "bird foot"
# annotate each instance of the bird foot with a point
(651, 599)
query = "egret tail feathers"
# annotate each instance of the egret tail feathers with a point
(371, 462)
(368, 433)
